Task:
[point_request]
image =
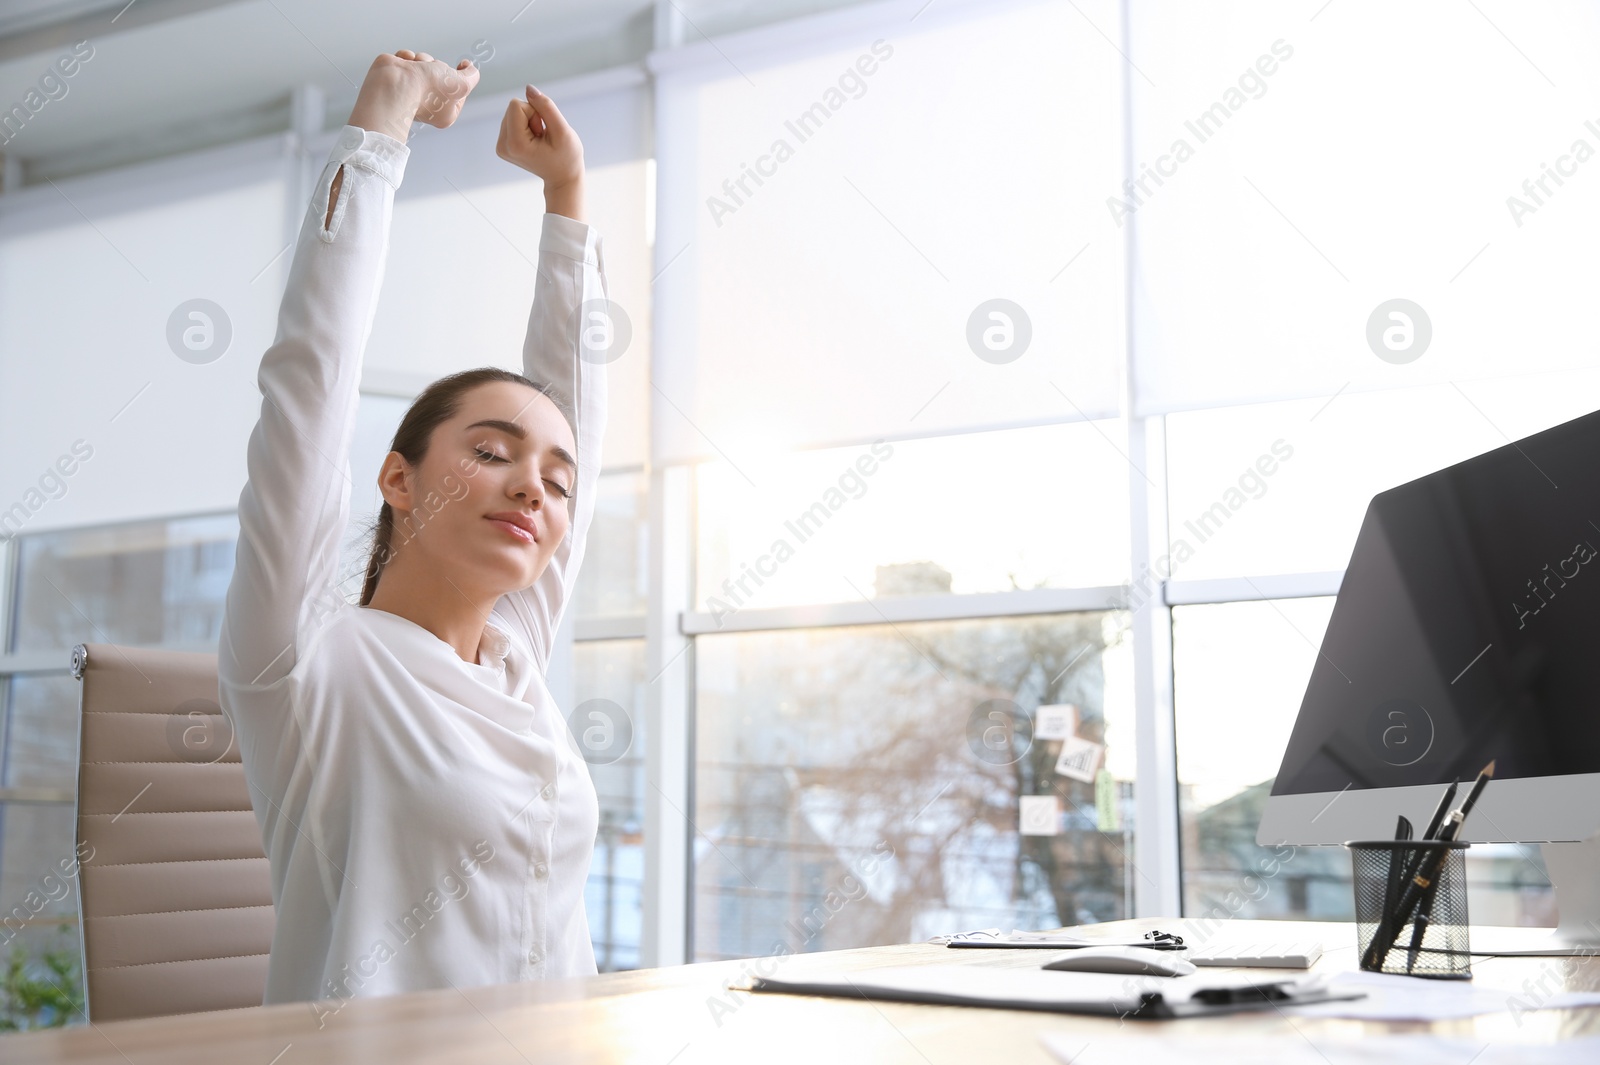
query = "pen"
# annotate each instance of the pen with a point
(1419, 929)
(1477, 789)
(1420, 884)
(1437, 821)
(1398, 874)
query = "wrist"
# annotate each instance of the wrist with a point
(388, 100)
(565, 198)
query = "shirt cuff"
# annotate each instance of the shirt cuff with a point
(371, 150)
(570, 237)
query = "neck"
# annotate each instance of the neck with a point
(429, 598)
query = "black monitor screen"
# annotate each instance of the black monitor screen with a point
(1467, 628)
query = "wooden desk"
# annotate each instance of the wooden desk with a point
(662, 1016)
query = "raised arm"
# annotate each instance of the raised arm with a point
(295, 501)
(570, 284)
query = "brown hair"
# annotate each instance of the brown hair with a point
(437, 403)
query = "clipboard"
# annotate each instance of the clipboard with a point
(1050, 991)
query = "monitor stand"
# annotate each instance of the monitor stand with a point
(1574, 870)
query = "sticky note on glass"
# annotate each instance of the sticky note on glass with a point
(1055, 722)
(1039, 815)
(1079, 758)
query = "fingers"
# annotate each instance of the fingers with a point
(549, 114)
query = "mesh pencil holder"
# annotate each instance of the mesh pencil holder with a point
(1401, 884)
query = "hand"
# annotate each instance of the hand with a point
(536, 137)
(408, 87)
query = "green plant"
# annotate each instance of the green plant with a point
(44, 991)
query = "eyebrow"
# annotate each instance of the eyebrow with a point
(513, 429)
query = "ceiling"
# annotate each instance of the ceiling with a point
(169, 75)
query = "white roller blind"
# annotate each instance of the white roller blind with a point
(1370, 157)
(460, 281)
(92, 273)
(833, 212)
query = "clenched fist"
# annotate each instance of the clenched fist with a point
(536, 137)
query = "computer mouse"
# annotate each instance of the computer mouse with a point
(1141, 961)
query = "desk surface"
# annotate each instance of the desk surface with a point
(663, 1016)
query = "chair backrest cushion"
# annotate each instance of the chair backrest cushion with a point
(173, 885)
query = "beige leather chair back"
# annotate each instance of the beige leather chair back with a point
(173, 884)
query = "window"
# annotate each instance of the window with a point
(978, 512)
(607, 720)
(849, 788)
(155, 583)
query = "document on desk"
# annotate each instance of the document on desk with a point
(1297, 1049)
(1061, 992)
(1411, 998)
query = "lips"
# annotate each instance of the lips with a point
(514, 524)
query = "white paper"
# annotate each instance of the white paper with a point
(1410, 998)
(1298, 1049)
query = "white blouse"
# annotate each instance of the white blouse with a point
(429, 821)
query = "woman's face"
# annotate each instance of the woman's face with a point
(506, 458)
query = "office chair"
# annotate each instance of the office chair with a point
(173, 885)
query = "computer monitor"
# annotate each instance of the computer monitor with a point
(1466, 629)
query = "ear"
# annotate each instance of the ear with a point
(394, 481)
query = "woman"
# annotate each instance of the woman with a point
(426, 816)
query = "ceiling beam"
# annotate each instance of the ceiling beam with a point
(94, 21)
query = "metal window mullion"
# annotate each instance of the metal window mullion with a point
(1156, 856)
(8, 587)
(668, 795)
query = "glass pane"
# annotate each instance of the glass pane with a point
(967, 513)
(863, 786)
(1231, 734)
(614, 580)
(40, 734)
(1282, 487)
(39, 918)
(609, 681)
(156, 582)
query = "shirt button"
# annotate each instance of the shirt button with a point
(540, 870)
(533, 956)
(351, 138)
(548, 792)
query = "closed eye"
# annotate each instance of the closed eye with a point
(490, 456)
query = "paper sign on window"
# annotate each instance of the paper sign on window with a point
(1079, 758)
(1039, 815)
(1055, 722)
